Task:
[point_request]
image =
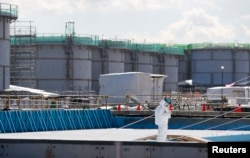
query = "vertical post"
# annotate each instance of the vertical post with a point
(153, 89)
(222, 97)
(222, 69)
(248, 93)
(106, 101)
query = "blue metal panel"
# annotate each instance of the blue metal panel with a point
(222, 54)
(227, 78)
(53, 120)
(241, 76)
(230, 138)
(242, 66)
(201, 55)
(235, 62)
(201, 78)
(212, 66)
(241, 55)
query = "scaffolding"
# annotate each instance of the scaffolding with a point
(23, 54)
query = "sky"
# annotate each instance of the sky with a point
(149, 21)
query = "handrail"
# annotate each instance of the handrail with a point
(9, 10)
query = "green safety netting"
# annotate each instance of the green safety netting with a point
(141, 47)
(54, 39)
(114, 44)
(21, 40)
(62, 39)
(91, 40)
(177, 49)
(94, 40)
(174, 50)
(159, 48)
(217, 45)
(51, 39)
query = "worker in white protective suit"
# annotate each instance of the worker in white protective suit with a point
(162, 115)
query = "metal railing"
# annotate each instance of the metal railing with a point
(180, 101)
(8, 10)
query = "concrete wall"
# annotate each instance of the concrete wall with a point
(99, 149)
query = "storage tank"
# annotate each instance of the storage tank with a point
(73, 62)
(8, 13)
(60, 62)
(206, 64)
(105, 60)
(145, 63)
(138, 61)
(183, 67)
(139, 86)
(58, 72)
(166, 64)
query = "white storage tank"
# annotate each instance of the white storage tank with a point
(8, 13)
(139, 86)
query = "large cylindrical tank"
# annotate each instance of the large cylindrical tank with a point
(130, 61)
(8, 13)
(155, 63)
(206, 65)
(105, 61)
(62, 66)
(170, 68)
(136, 61)
(183, 67)
(52, 66)
(115, 60)
(145, 62)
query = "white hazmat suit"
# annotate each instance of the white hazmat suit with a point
(162, 115)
